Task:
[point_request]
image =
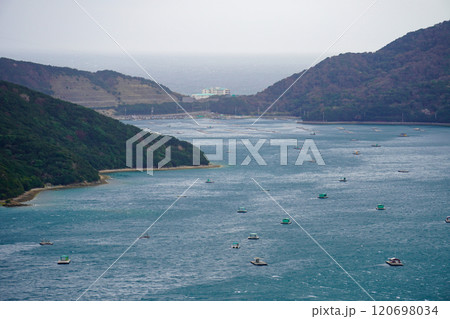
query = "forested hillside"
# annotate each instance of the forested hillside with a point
(46, 140)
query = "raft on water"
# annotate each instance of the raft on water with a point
(64, 260)
(258, 262)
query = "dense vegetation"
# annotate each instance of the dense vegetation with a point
(409, 80)
(46, 140)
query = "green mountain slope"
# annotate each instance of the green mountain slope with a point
(409, 79)
(46, 140)
(101, 89)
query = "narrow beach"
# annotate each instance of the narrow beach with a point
(30, 194)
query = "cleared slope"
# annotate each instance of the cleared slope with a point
(98, 89)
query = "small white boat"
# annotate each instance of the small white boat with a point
(253, 236)
(356, 152)
(64, 260)
(45, 242)
(209, 181)
(258, 262)
(235, 245)
(394, 262)
(343, 180)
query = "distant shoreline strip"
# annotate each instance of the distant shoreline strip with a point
(373, 123)
(269, 117)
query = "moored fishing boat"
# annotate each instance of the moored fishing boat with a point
(253, 236)
(242, 209)
(45, 242)
(258, 262)
(64, 260)
(394, 262)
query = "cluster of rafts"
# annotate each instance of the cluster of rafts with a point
(254, 236)
(391, 261)
(65, 260)
(356, 152)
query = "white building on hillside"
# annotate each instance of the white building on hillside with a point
(216, 91)
(206, 93)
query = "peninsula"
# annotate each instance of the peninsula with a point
(46, 142)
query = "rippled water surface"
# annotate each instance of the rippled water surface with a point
(189, 256)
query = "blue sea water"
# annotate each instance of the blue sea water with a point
(189, 256)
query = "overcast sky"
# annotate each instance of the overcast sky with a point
(201, 26)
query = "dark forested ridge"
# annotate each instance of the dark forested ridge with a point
(46, 140)
(409, 80)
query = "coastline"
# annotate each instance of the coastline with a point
(212, 115)
(32, 193)
(118, 170)
(373, 123)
